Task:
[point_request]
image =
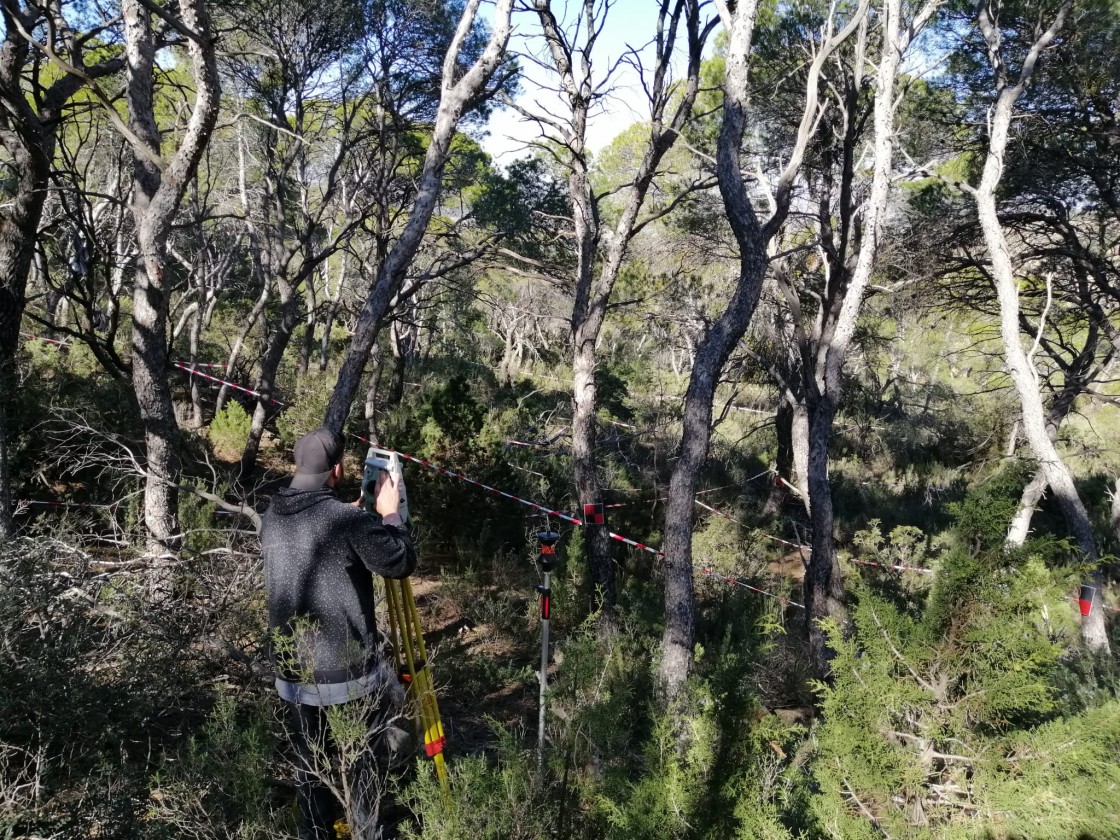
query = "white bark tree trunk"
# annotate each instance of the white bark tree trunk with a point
(158, 189)
(824, 589)
(1023, 375)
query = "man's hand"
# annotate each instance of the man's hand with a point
(387, 500)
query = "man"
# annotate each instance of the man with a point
(320, 555)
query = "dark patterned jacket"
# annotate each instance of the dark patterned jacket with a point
(320, 555)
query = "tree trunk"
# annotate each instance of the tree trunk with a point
(7, 523)
(454, 99)
(824, 588)
(371, 395)
(17, 248)
(29, 139)
(239, 342)
(1114, 510)
(150, 300)
(679, 637)
(269, 366)
(307, 346)
(157, 191)
(824, 582)
(1021, 523)
(799, 442)
(783, 466)
(597, 540)
(332, 312)
(196, 382)
(1022, 372)
(573, 66)
(1020, 527)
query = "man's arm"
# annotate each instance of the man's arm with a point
(384, 549)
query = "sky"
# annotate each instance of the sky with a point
(629, 24)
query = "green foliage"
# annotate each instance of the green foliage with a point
(526, 204)
(306, 412)
(498, 799)
(983, 516)
(229, 431)
(216, 784)
(1060, 780)
(921, 707)
(196, 518)
(904, 546)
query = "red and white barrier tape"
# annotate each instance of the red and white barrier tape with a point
(84, 505)
(737, 582)
(451, 474)
(192, 369)
(899, 568)
(31, 337)
(760, 533)
(576, 521)
(605, 507)
(202, 364)
(241, 388)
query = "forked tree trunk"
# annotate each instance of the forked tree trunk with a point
(679, 638)
(668, 115)
(1023, 375)
(824, 588)
(158, 189)
(715, 347)
(1032, 494)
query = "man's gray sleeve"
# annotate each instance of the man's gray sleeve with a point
(386, 550)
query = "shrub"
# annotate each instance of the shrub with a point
(229, 431)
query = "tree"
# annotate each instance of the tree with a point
(459, 91)
(1010, 86)
(601, 248)
(752, 239)
(158, 188)
(301, 71)
(32, 109)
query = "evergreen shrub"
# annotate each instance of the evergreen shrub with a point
(229, 431)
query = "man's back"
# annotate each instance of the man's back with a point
(319, 556)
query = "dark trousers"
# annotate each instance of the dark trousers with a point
(316, 752)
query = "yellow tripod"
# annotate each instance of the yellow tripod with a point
(409, 653)
(405, 636)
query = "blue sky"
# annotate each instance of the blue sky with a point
(629, 23)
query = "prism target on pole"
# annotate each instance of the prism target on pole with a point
(547, 563)
(1085, 598)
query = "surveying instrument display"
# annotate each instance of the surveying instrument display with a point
(405, 637)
